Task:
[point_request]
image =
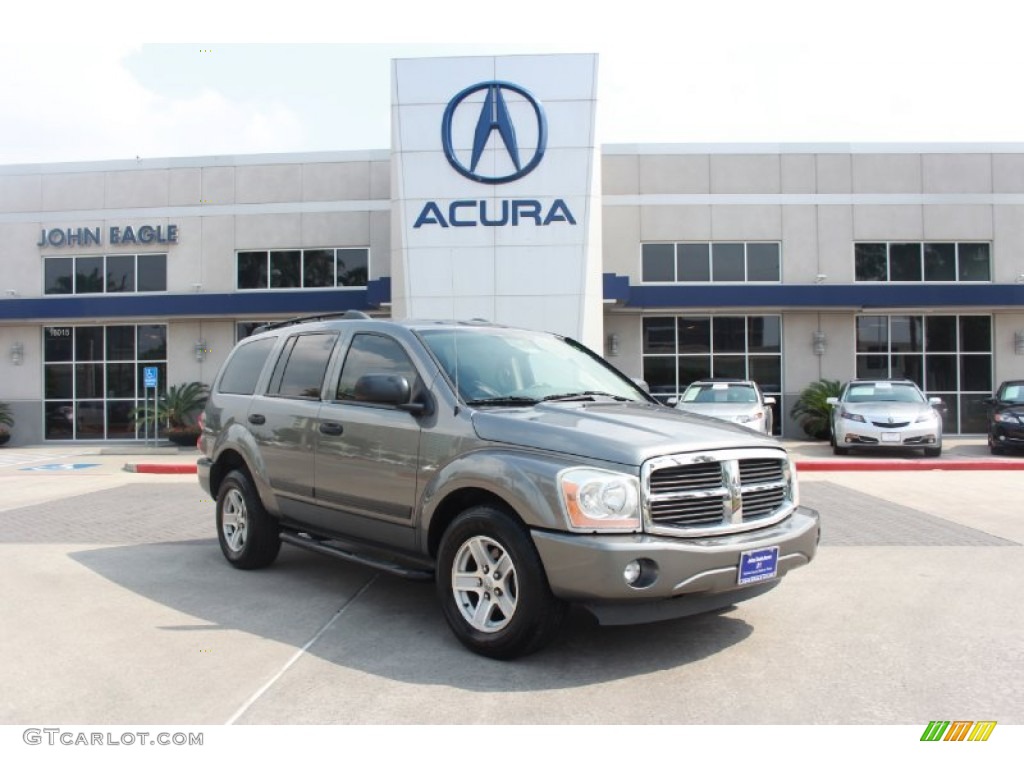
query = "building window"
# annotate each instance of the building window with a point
(678, 350)
(93, 378)
(947, 356)
(922, 262)
(245, 329)
(309, 268)
(710, 262)
(124, 273)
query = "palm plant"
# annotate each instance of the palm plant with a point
(6, 419)
(177, 407)
(812, 410)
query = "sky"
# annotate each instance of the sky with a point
(106, 80)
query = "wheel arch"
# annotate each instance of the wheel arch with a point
(457, 502)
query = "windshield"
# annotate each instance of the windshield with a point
(719, 392)
(501, 366)
(1012, 393)
(884, 392)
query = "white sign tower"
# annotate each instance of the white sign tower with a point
(495, 200)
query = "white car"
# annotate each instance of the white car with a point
(885, 414)
(740, 402)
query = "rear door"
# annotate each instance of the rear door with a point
(284, 419)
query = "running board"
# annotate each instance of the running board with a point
(392, 567)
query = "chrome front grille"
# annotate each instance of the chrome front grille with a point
(719, 492)
(891, 424)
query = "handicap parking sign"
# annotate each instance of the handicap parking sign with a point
(149, 377)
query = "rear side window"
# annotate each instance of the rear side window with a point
(300, 369)
(244, 367)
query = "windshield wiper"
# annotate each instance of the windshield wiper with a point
(510, 400)
(590, 394)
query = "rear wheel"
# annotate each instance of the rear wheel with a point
(249, 537)
(493, 590)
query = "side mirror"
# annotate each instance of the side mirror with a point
(382, 388)
(642, 384)
(389, 389)
(937, 402)
(672, 401)
(769, 400)
(832, 401)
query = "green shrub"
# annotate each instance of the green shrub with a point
(812, 411)
(177, 407)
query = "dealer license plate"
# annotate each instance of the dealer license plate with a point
(890, 437)
(759, 565)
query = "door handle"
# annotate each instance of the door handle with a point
(331, 428)
(257, 418)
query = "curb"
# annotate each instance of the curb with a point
(162, 469)
(906, 465)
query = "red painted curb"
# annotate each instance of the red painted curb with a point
(847, 465)
(162, 469)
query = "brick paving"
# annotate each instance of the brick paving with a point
(851, 518)
(132, 514)
(165, 512)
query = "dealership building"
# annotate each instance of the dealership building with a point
(784, 263)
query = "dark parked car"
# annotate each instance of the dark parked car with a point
(1006, 417)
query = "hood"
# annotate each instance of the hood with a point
(624, 433)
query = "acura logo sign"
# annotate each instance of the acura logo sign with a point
(493, 127)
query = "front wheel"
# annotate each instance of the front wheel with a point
(493, 590)
(933, 452)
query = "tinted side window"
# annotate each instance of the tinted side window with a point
(370, 353)
(300, 369)
(244, 367)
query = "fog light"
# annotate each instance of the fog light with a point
(641, 573)
(632, 572)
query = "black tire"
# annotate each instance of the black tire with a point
(933, 453)
(249, 537)
(997, 450)
(503, 614)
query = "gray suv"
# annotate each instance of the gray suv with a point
(516, 469)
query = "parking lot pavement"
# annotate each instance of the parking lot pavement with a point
(119, 608)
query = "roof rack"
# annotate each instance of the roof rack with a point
(348, 314)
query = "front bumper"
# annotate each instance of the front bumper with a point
(1007, 435)
(694, 575)
(857, 435)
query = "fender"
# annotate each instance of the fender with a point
(525, 480)
(236, 437)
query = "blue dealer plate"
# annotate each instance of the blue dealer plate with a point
(758, 565)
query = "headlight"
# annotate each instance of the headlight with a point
(790, 477)
(748, 417)
(845, 414)
(930, 416)
(1007, 418)
(596, 499)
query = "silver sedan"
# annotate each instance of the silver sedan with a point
(885, 414)
(740, 402)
